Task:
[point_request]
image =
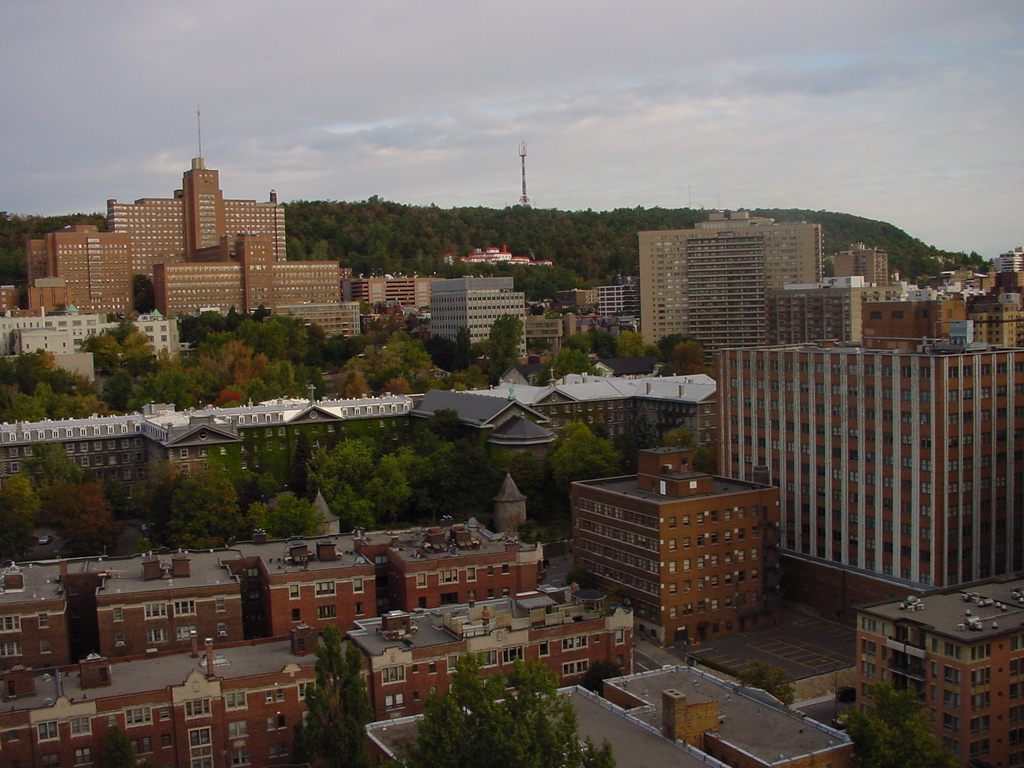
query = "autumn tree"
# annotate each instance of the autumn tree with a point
(768, 677)
(895, 731)
(19, 508)
(338, 707)
(82, 515)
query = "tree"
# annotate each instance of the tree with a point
(598, 672)
(463, 357)
(19, 508)
(503, 344)
(81, 513)
(895, 731)
(567, 360)
(581, 455)
(204, 510)
(117, 749)
(290, 516)
(687, 358)
(768, 677)
(603, 344)
(493, 722)
(338, 706)
(144, 300)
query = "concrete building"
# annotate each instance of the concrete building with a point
(96, 267)
(808, 313)
(870, 263)
(622, 297)
(340, 318)
(696, 552)
(999, 320)
(408, 291)
(410, 655)
(962, 650)
(710, 282)
(62, 333)
(897, 469)
(168, 230)
(1011, 261)
(474, 303)
(577, 297)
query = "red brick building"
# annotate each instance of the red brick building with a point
(962, 650)
(696, 552)
(175, 711)
(412, 655)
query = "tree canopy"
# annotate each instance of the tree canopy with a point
(768, 677)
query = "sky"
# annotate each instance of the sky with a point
(907, 111)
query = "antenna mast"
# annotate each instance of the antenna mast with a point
(199, 131)
(524, 200)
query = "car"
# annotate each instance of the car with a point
(45, 539)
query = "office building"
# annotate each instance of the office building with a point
(1011, 261)
(622, 297)
(96, 268)
(473, 303)
(710, 282)
(870, 263)
(168, 230)
(696, 552)
(407, 291)
(962, 651)
(898, 470)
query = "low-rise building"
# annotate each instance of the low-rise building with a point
(697, 553)
(411, 655)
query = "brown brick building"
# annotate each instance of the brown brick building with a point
(898, 470)
(695, 552)
(907, 324)
(409, 656)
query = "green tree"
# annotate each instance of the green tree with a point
(463, 349)
(565, 361)
(768, 677)
(603, 344)
(581, 455)
(493, 722)
(678, 438)
(631, 344)
(290, 516)
(338, 706)
(19, 508)
(117, 749)
(503, 343)
(144, 300)
(598, 672)
(896, 731)
(204, 510)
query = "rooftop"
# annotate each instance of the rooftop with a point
(968, 613)
(749, 719)
(627, 486)
(158, 672)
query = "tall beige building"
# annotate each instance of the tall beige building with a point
(168, 230)
(94, 266)
(870, 263)
(710, 282)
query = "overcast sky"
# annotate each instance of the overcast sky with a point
(909, 111)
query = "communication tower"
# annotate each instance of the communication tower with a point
(524, 200)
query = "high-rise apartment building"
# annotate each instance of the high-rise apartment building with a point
(622, 297)
(167, 230)
(96, 267)
(474, 303)
(900, 467)
(710, 282)
(696, 552)
(1011, 261)
(870, 263)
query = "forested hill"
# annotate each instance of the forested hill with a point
(588, 247)
(376, 236)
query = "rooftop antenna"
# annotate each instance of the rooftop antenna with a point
(199, 130)
(524, 200)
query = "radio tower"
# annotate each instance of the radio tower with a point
(524, 200)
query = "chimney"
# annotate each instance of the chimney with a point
(180, 567)
(303, 639)
(760, 474)
(325, 551)
(209, 659)
(259, 536)
(150, 568)
(195, 644)
(19, 681)
(94, 672)
(682, 721)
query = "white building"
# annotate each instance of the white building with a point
(474, 303)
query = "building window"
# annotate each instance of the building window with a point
(508, 655)
(47, 730)
(118, 614)
(10, 649)
(80, 726)
(326, 612)
(240, 757)
(325, 588)
(156, 610)
(186, 632)
(449, 576)
(184, 607)
(83, 756)
(235, 700)
(238, 729)
(392, 674)
(197, 708)
(394, 701)
(156, 635)
(138, 716)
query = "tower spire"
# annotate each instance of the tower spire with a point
(524, 200)
(199, 130)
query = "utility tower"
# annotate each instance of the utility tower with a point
(524, 200)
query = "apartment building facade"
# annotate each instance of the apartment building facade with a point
(710, 282)
(898, 470)
(409, 656)
(870, 263)
(696, 552)
(962, 651)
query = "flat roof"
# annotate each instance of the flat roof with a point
(627, 486)
(158, 672)
(749, 719)
(994, 607)
(275, 552)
